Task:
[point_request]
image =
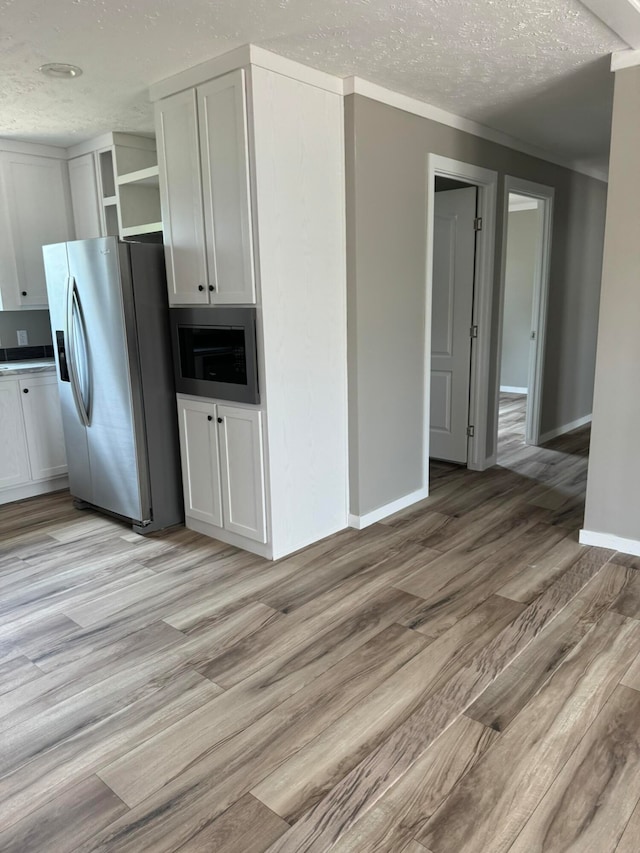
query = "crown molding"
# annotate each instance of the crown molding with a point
(358, 86)
(16, 146)
(621, 16)
(241, 57)
(624, 59)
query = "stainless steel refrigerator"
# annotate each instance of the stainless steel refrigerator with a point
(109, 321)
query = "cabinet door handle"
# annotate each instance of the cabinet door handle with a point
(25, 390)
(211, 287)
(209, 417)
(201, 287)
(24, 293)
(220, 420)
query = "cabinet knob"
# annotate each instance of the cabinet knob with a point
(24, 293)
(25, 390)
(209, 417)
(219, 420)
(201, 287)
(211, 287)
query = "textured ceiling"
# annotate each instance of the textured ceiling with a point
(535, 69)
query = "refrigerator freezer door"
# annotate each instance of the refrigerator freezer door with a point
(116, 444)
(75, 434)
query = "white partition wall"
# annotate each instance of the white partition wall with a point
(299, 180)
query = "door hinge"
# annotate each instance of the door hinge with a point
(473, 332)
(477, 223)
(471, 431)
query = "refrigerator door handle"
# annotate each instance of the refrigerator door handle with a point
(73, 307)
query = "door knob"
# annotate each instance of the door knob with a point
(219, 420)
(25, 390)
(209, 417)
(211, 287)
(201, 287)
(24, 293)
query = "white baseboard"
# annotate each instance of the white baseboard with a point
(554, 433)
(32, 490)
(608, 540)
(362, 521)
(513, 389)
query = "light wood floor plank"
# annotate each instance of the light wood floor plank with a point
(404, 810)
(164, 758)
(246, 827)
(490, 806)
(17, 671)
(227, 771)
(518, 683)
(299, 783)
(629, 840)
(64, 753)
(69, 819)
(592, 799)
(360, 789)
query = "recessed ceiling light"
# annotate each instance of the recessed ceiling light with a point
(60, 70)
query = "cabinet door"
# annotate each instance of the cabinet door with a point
(242, 471)
(200, 461)
(225, 180)
(181, 199)
(84, 197)
(38, 202)
(43, 425)
(14, 460)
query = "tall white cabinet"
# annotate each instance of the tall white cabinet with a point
(251, 156)
(204, 183)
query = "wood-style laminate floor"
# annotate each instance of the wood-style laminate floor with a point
(463, 678)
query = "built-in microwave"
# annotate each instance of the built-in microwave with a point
(214, 352)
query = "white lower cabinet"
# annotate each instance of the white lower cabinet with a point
(223, 467)
(14, 459)
(43, 426)
(33, 454)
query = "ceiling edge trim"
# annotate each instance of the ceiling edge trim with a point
(621, 16)
(248, 54)
(295, 70)
(624, 59)
(17, 146)
(190, 77)
(359, 86)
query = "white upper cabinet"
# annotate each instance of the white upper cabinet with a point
(204, 188)
(37, 211)
(84, 197)
(181, 199)
(222, 114)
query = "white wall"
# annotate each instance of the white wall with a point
(300, 196)
(613, 485)
(387, 152)
(523, 246)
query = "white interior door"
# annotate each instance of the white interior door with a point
(452, 314)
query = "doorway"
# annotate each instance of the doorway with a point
(454, 249)
(524, 288)
(460, 238)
